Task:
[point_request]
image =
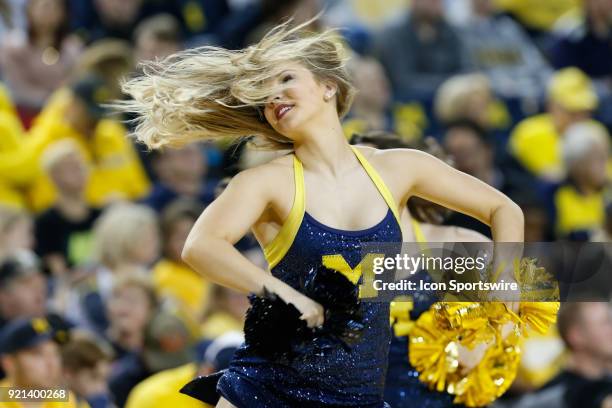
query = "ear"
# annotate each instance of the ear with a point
(330, 90)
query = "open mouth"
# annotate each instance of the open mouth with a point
(281, 110)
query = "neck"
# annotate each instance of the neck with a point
(324, 149)
(73, 206)
(587, 365)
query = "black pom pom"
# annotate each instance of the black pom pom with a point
(274, 329)
(272, 326)
(340, 299)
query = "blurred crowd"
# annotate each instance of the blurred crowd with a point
(94, 295)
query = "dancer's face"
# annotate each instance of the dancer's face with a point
(303, 103)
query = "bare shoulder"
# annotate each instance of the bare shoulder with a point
(392, 157)
(265, 177)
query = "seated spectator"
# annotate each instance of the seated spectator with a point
(498, 47)
(86, 367)
(131, 305)
(173, 279)
(23, 294)
(181, 173)
(578, 202)
(370, 109)
(224, 311)
(421, 51)
(110, 18)
(35, 62)
(159, 390)
(64, 232)
(157, 37)
(115, 169)
(168, 343)
(585, 382)
(535, 142)
(16, 231)
(23, 289)
(125, 240)
(587, 44)
(31, 358)
(469, 97)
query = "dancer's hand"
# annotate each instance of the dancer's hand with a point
(312, 312)
(470, 358)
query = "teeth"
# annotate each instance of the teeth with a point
(283, 110)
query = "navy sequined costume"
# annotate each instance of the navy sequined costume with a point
(320, 375)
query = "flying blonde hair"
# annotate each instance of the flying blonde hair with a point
(211, 92)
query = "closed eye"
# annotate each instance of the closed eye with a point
(286, 78)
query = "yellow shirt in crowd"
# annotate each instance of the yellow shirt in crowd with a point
(220, 323)
(179, 282)
(161, 390)
(538, 14)
(578, 212)
(535, 143)
(115, 169)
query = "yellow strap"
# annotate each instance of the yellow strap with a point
(380, 185)
(418, 231)
(278, 247)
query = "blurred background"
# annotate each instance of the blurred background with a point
(517, 93)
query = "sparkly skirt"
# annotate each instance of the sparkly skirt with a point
(318, 375)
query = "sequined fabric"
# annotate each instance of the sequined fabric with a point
(403, 389)
(322, 374)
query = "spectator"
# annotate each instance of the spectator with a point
(31, 358)
(371, 109)
(465, 97)
(224, 312)
(159, 390)
(168, 344)
(584, 328)
(116, 172)
(588, 45)
(131, 306)
(125, 240)
(86, 367)
(23, 289)
(173, 279)
(535, 142)
(113, 18)
(181, 173)
(471, 150)
(420, 52)
(23, 293)
(34, 63)
(157, 37)
(499, 47)
(63, 232)
(578, 202)
(16, 231)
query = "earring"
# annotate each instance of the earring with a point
(328, 96)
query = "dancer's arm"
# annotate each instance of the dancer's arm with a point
(209, 248)
(425, 176)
